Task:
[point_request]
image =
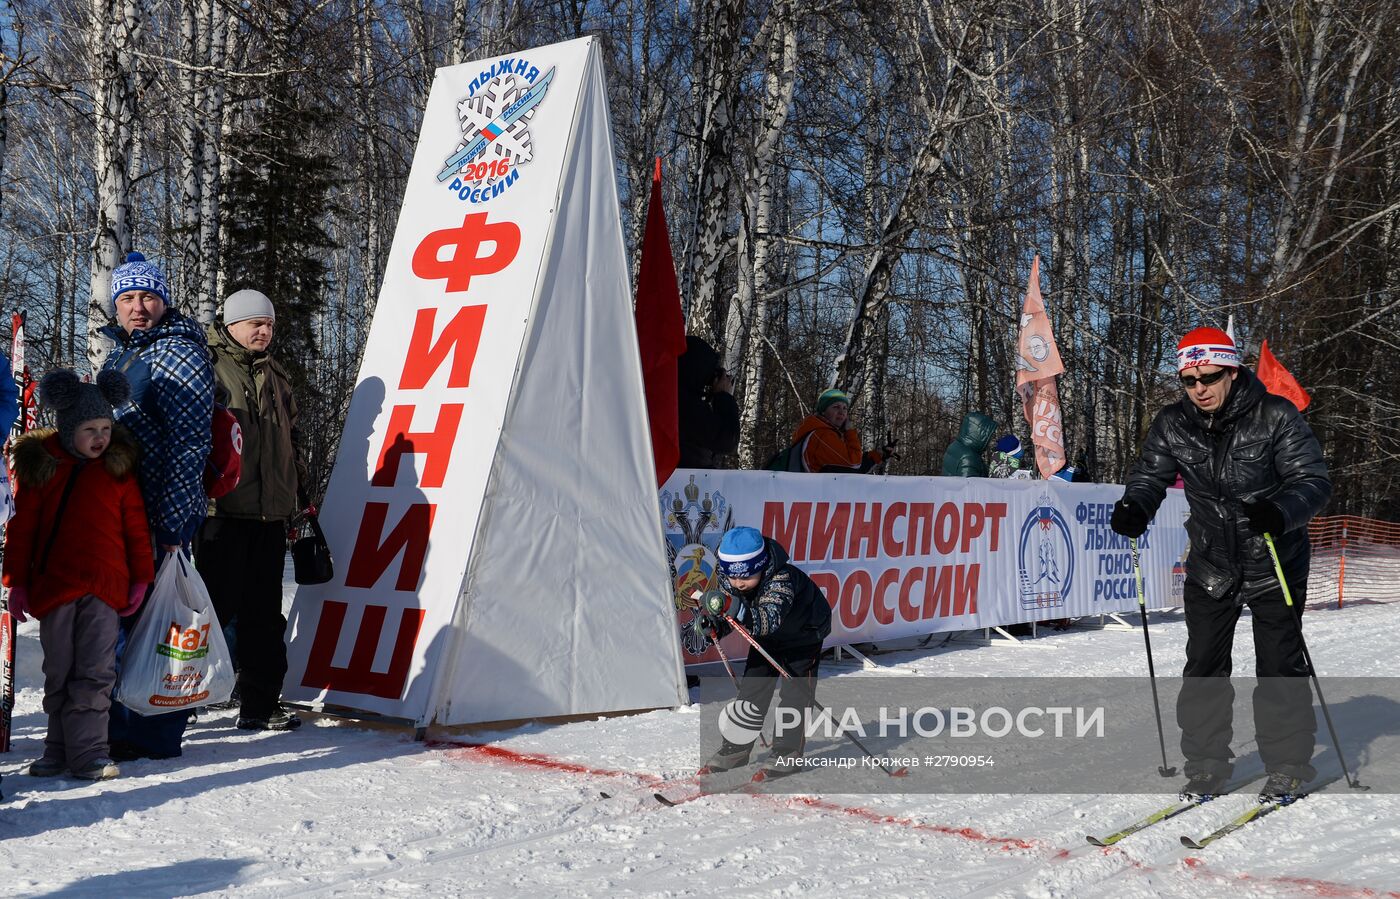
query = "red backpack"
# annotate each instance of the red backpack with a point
(225, 463)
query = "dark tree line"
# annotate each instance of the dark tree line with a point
(856, 189)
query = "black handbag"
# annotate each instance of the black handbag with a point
(311, 555)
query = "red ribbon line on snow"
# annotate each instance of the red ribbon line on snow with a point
(488, 752)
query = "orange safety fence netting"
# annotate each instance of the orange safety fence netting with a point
(1354, 560)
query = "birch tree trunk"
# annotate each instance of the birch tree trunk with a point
(10, 63)
(217, 24)
(748, 320)
(371, 166)
(217, 221)
(191, 85)
(714, 177)
(854, 366)
(115, 28)
(461, 48)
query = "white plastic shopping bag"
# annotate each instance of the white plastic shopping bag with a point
(176, 658)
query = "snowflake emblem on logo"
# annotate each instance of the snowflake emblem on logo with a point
(495, 120)
(477, 113)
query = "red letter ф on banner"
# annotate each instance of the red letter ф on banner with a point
(466, 261)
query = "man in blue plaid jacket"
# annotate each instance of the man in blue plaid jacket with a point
(166, 360)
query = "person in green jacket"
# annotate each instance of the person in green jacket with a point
(964, 456)
(242, 545)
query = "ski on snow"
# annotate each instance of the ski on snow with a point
(1179, 807)
(747, 779)
(1250, 815)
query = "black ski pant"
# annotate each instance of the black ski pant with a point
(796, 692)
(241, 561)
(1284, 724)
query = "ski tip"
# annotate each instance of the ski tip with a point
(1191, 844)
(663, 800)
(605, 794)
(901, 772)
(1094, 841)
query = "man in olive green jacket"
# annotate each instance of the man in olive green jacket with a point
(242, 546)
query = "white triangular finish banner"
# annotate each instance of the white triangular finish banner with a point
(492, 510)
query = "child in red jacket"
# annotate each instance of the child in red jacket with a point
(77, 554)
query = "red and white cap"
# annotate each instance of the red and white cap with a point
(1206, 346)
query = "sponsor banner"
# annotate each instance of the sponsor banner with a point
(902, 556)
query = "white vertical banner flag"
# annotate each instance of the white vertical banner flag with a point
(1037, 365)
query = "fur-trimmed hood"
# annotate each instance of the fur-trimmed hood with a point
(34, 458)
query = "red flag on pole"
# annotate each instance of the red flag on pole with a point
(660, 333)
(30, 402)
(17, 345)
(19, 371)
(1037, 365)
(1278, 380)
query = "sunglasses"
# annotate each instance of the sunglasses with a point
(1189, 381)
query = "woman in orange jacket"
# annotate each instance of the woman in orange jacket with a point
(828, 441)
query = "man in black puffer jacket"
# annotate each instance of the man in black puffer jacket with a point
(1251, 466)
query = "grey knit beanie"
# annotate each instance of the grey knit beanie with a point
(245, 304)
(75, 402)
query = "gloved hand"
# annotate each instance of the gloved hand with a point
(718, 628)
(887, 451)
(134, 598)
(1128, 519)
(717, 603)
(19, 603)
(1264, 517)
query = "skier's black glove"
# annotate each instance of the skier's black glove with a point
(1264, 517)
(718, 627)
(1128, 519)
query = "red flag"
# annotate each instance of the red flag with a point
(30, 402)
(1278, 380)
(17, 345)
(660, 333)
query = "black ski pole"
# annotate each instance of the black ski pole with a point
(1164, 770)
(714, 638)
(1307, 660)
(901, 772)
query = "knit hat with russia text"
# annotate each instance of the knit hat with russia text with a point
(138, 274)
(743, 553)
(1206, 346)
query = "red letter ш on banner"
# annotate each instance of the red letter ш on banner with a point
(357, 677)
(466, 262)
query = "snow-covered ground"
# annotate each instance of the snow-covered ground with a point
(341, 809)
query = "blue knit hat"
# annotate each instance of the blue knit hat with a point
(743, 553)
(831, 397)
(138, 274)
(1009, 445)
